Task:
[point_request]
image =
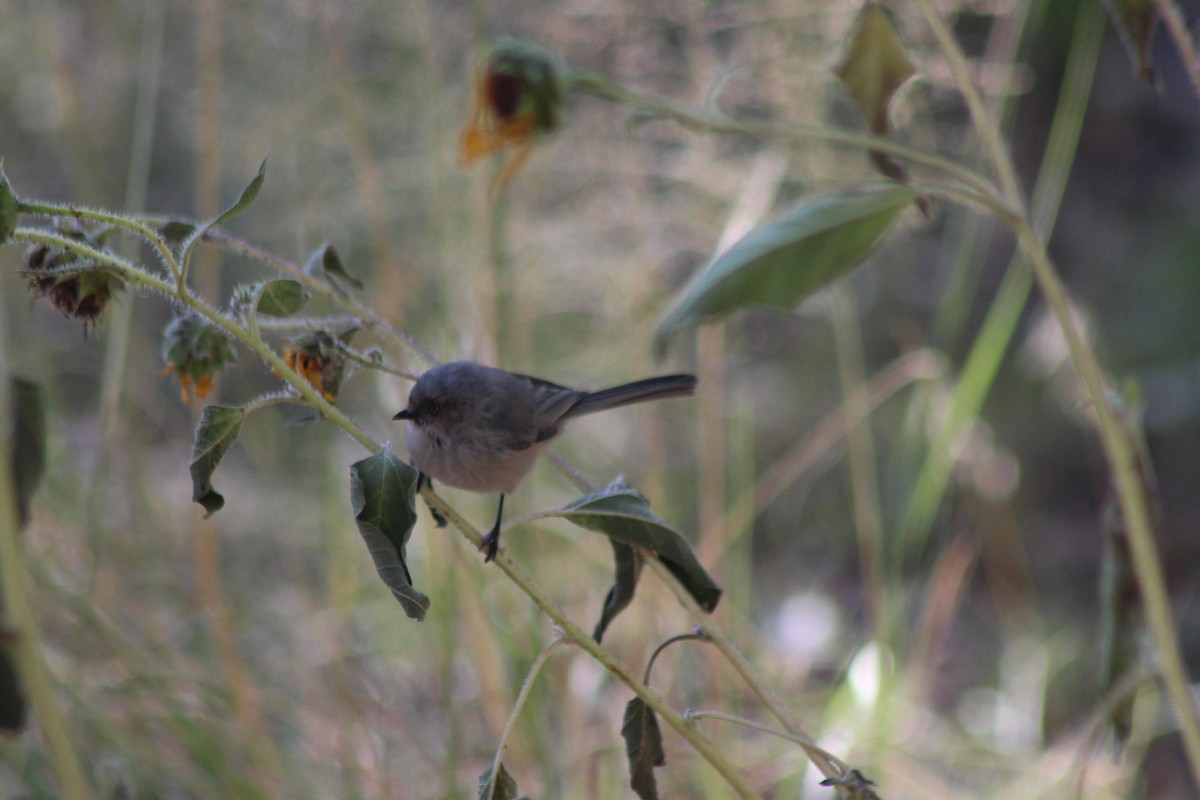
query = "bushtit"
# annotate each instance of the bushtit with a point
(480, 428)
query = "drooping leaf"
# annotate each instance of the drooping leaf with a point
(1136, 21)
(506, 785)
(8, 207)
(325, 261)
(780, 263)
(643, 747)
(628, 570)
(622, 514)
(28, 457)
(282, 297)
(382, 492)
(875, 65)
(218, 430)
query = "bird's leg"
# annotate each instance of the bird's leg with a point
(491, 542)
(438, 518)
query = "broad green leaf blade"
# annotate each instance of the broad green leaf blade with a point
(628, 570)
(281, 298)
(28, 461)
(218, 430)
(875, 65)
(382, 492)
(8, 207)
(326, 262)
(784, 261)
(506, 785)
(623, 515)
(246, 198)
(643, 747)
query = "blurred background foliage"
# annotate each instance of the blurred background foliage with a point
(256, 654)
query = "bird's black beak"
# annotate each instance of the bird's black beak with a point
(405, 414)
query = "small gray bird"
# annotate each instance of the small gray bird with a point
(481, 429)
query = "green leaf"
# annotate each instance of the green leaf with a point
(643, 747)
(326, 261)
(875, 65)
(218, 430)
(176, 231)
(623, 514)
(8, 207)
(628, 570)
(243, 201)
(246, 198)
(506, 785)
(281, 298)
(382, 492)
(780, 263)
(28, 442)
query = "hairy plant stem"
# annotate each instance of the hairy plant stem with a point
(139, 278)
(1117, 449)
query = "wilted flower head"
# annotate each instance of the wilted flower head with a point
(320, 360)
(517, 99)
(76, 286)
(195, 349)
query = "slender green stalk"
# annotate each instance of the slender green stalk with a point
(1117, 449)
(830, 766)
(995, 335)
(526, 685)
(758, 726)
(715, 122)
(1177, 27)
(863, 468)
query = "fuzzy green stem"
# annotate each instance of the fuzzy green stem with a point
(121, 221)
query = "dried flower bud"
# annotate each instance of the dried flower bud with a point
(518, 98)
(79, 288)
(318, 357)
(195, 350)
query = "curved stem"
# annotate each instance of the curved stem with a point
(830, 766)
(526, 685)
(128, 224)
(577, 636)
(715, 122)
(1117, 449)
(138, 277)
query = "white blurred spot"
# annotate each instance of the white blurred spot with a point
(806, 626)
